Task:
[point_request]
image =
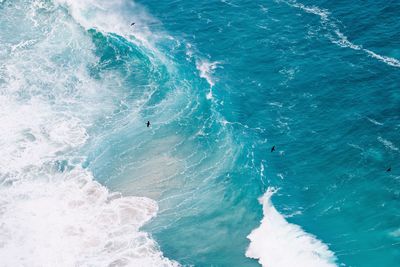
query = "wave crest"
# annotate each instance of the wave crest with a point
(277, 243)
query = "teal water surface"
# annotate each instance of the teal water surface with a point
(287, 78)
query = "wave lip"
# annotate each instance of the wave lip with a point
(277, 243)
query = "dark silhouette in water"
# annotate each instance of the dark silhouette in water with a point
(388, 170)
(273, 149)
(148, 124)
(133, 23)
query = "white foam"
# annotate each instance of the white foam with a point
(343, 41)
(388, 60)
(277, 243)
(323, 13)
(388, 144)
(69, 220)
(206, 69)
(338, 37)
(375, 121)
(189, 51)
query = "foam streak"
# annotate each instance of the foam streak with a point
(337, 37)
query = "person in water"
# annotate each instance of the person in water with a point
(388, 170)
(148, 124)
(273, 149)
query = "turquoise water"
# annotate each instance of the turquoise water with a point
(221, 83)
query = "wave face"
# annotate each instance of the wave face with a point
(84, 182)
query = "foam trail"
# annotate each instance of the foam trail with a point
(388, 60)
(374, 121)
(277, 243)
(338, 37)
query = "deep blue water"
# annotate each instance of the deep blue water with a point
(319, 80)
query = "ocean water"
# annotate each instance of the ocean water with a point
(84, 182)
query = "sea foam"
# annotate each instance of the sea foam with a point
(277, 243)
(206, 70)
(68, 219)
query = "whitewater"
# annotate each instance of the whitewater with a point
(53, 212)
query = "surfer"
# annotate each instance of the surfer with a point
(273, 149)
(148, 124)
(388, 170)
